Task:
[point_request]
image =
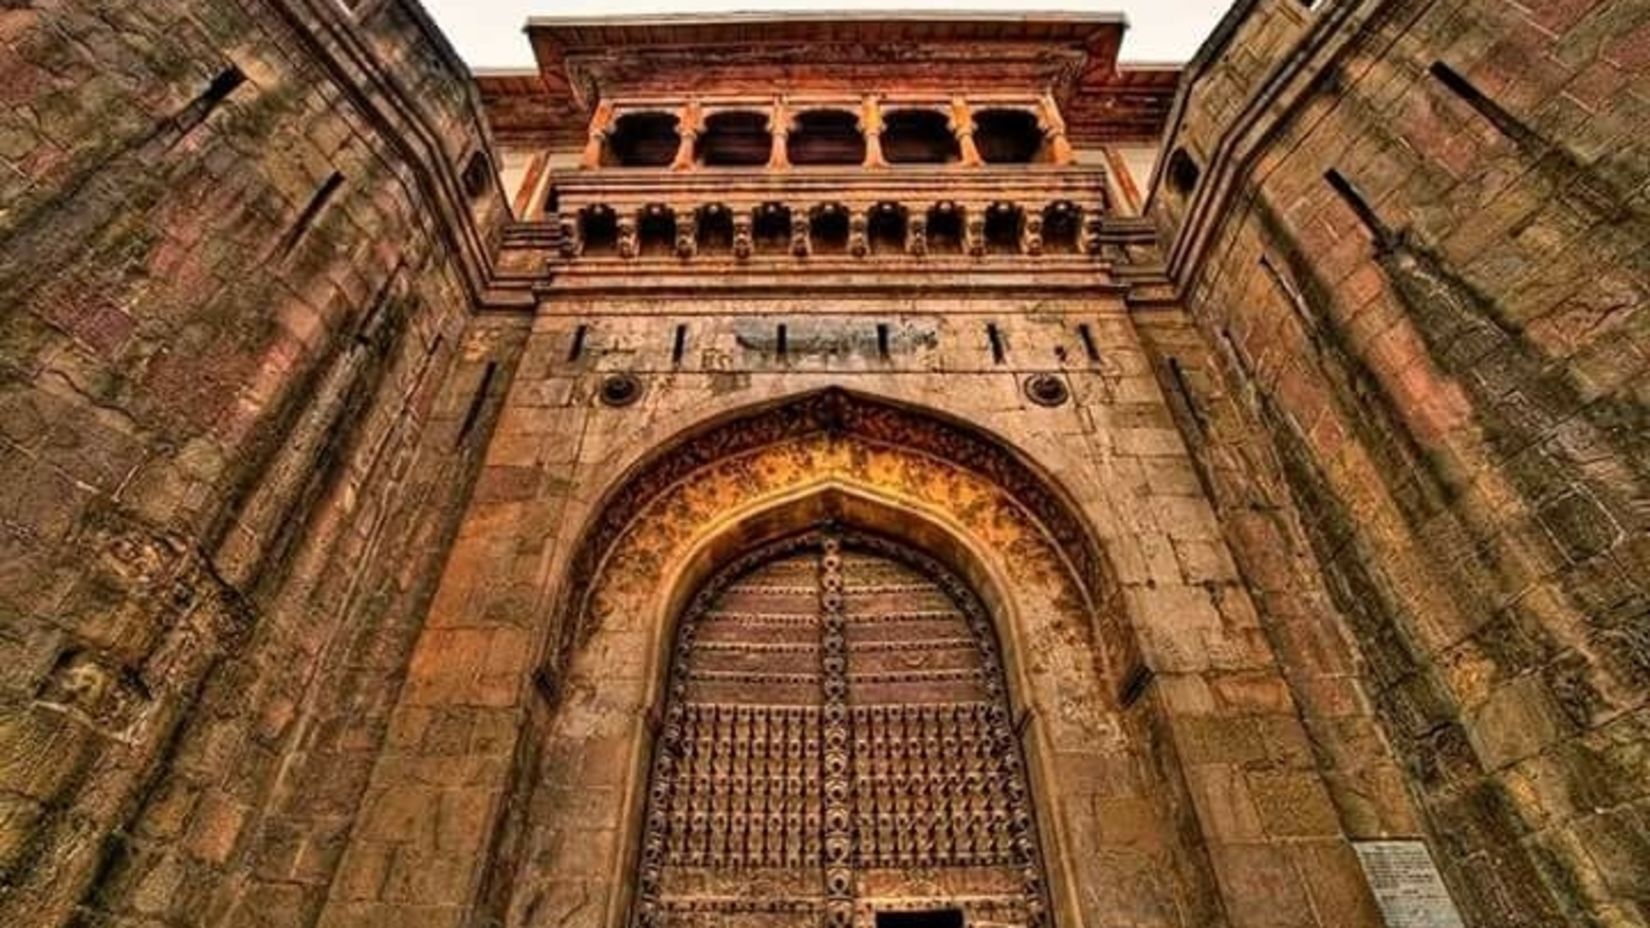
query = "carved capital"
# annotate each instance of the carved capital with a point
(572, 242)
(1031, 233)
(801, 240)
(916, 235)
(743, 243)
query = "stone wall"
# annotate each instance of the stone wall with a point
(1414, 240)
(238, 258)
(1190, 796)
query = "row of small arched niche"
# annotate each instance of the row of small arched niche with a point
(1000, 228)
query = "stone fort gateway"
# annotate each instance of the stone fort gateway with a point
(825, 470)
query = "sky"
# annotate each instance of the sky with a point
(488, 32)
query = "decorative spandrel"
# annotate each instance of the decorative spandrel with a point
(837, 742)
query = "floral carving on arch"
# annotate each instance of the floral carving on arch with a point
(817, 421)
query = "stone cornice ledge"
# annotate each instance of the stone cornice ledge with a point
(1338, 26)
(335, 42)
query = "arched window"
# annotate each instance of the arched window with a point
(1007, 136)
(771, 228)
(1183, 173)
(1062, 221)
(643, 140)
(885, 229)
(828, 228)
(945, 229)
(738, 138)
(1003, 222)
(656, 231)
(918, 137)
(598, 230)
(826, 137)
(715, 229)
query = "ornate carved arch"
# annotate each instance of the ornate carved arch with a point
(830, 412)
(571, 825)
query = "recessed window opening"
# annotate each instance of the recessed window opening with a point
(771, 228)
(715, 229)
(825, 137)
(882, 340)
(678, 347)
(999, 350)
(928, 918)
(738, 138)
(1061, 223)
(1007, 137)
(782, 341)
(945, 229)
(918, 137)
(599, 230)
(885, 230)
(828, 227)
(656, 231)
(1002, 229)
(643, 140)
(1183, 173)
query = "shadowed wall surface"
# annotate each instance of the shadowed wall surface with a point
(1260, 447)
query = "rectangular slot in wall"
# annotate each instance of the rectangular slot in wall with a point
(1086, 333)
(921, 918)
(476, 402)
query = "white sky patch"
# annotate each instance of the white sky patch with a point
(488, 32)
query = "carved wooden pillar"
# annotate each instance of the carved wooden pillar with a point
(779, 122)
(1092, 227)
(1031, 232)
(974, 229)
(916, 234)
(572, 239)
(743, 244)
(1053, 126)
(859, 225)
(689, 124)
(962, 128)
(802, 244)
(601, 125)
(629, 244)
(687, 231)
(870, 124)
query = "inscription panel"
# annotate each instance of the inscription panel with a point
(1406, 885)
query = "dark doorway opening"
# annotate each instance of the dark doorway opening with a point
(926, 918)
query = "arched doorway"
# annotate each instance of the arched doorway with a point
(838, 748)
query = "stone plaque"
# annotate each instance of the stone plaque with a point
(1406, 884)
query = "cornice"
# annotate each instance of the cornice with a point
(1336, 28)
(335, 42)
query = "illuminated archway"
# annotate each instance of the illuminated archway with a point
(960, 498)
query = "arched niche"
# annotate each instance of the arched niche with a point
(645, 139)
(1008, 136)
(825, 137)
(574, 822)
(736, 138)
